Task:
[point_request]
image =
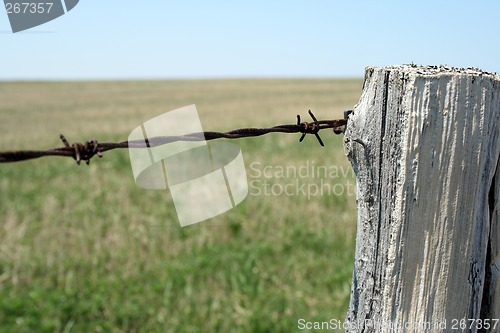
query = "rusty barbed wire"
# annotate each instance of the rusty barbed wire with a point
(85, 151)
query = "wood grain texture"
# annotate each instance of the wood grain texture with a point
(424, 143)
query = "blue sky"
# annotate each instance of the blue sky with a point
(204, 39)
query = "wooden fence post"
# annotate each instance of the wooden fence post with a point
(425, 145)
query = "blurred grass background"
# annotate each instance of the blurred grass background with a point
(83, 249)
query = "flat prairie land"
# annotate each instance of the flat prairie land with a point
(83, 249)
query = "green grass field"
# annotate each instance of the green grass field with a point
(83, 249)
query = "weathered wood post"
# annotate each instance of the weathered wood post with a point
(425, 145)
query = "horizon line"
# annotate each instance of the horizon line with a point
(180, 78)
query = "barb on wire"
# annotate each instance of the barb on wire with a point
(85, 151)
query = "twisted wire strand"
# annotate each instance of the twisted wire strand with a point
(85, 151)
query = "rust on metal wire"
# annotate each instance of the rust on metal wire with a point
(85, 151)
